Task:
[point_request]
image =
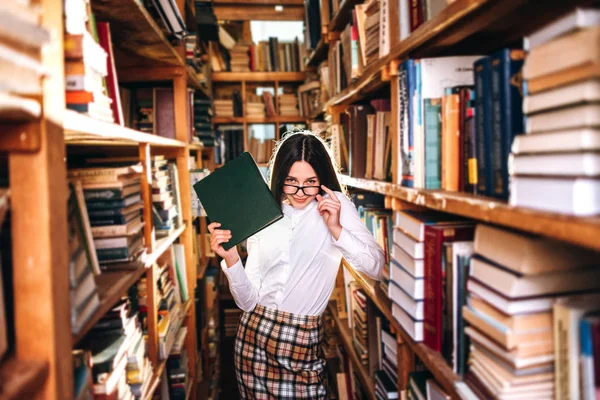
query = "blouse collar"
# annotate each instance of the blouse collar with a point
(291, 211)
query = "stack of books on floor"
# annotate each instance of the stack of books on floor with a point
(86, 66)
(359, 325)
(240, 59)
(21, 73)
(114, 206)
(261, 149)
(288, 104)
(83, 263)
(120, 368)
(203, 121)
(556, 166)
(526, 299)
(232, 317)
(177, 367)
(255, 108)
(165, 201)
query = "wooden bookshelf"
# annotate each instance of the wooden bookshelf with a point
(280, 119)
(433, 360)
(319, 54)
(81, 130)
(576, 230)
(475, 27)
(202, 266)
(346, 336)
(258, 76)
(158, 370)
(162, 245)
(342, 17)
(137, 32)
(20, 379)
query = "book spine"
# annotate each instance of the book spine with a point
(483, 127)
(450, 141)
(112, 254)
(586, 359)
(433, 143)
(104, 205)
(470, 146)
(561, 352)
(498, 103)
(102, 221)
(109, 231)
(432, 332)
(408, 178)
(101, 214)
(106, 194)
(416, 14)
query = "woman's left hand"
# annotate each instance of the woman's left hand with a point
(329, 208)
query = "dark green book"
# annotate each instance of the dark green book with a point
(237, 196)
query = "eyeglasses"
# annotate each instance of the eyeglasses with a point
(307, 190)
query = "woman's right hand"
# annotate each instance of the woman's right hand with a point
(219, 236)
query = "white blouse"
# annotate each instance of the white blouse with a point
(292, 264)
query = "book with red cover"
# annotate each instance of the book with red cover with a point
(416, 14)
(434, 301)
(112, 82)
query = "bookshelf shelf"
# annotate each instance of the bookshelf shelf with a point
(258, 120)
(342, 17)
(81, 130)
(319, 53)
(258, 76)
(110, 286)
(346, 336)
(433, 360)
(577, 230)
(195, 146)
(137, 31)
(21, 378)
(20, 137)
(161, 246)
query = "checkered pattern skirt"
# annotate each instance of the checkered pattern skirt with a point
(278, 355)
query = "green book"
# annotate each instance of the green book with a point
(237, 196)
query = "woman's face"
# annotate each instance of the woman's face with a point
(301, 174)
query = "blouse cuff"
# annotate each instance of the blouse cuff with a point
(235, 274)
(346, 244)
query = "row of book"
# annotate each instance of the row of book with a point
(21, 73)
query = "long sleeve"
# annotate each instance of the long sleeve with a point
(356, 243)
(245, 283)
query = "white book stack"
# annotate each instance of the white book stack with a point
(556, 166)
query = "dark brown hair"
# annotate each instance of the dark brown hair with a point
(303, 147)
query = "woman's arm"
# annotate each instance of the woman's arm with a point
(245, 283)
(357, 244)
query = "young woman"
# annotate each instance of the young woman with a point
(290, 273)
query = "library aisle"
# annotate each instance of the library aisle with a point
(467, 133)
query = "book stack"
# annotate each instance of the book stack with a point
(170, 15)
(520, 345)
(417, 385)
(288, 104)
(240, 59)
(114, 204)
(143, 118)
(166, 210)
(389, 351)
(385, 387)
(196, 175)
(411, 273)
(359, 325)
(173, 291)
(261, 149)
(83, 262)
(177, 367)
(86, 66)
(21, 73)
(372, 31)
(203, 121)
(556, 165)
(223, 107)
(117, 348)
(255, 108)
(232, 317)
(191, 51)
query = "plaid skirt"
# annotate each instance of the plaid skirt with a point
(278, 355)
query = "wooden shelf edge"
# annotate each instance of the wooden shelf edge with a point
(123, 279)
(341, 18)
(282, 119)
(161, 246)
(83, 130)
(156, 379)
(346, 335)
(319, 53)
(21, 378)
(258, 76)
(433, 360)
(581, 231)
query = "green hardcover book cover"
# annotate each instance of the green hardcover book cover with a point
(237, 196)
